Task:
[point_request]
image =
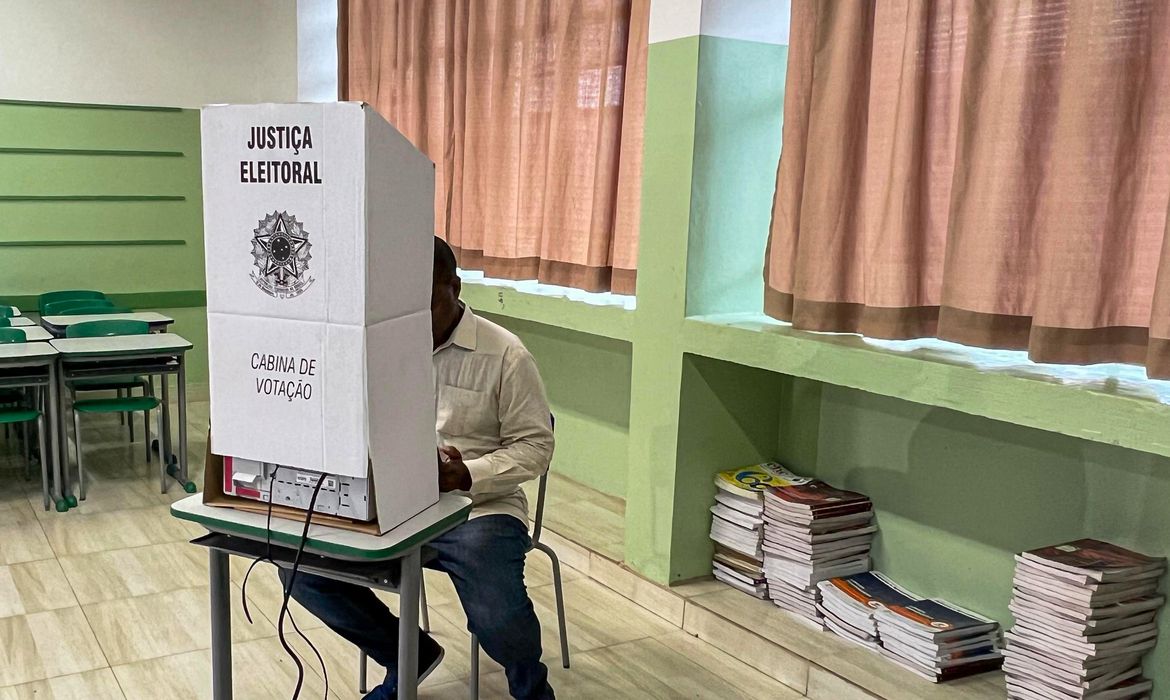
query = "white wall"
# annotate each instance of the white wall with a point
(317, 50)
(183, 53)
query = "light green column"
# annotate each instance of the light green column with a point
(657, 359)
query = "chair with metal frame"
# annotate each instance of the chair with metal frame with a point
(13, 413)
(127, 405)
(558, 589)
(125, 386)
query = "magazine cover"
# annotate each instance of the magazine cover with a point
(872, 589)
(817, 495)
(757, 478)
(934, 617)
(1093, 555)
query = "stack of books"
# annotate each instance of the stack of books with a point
(1085, 616)
(939, 641)
(737, 524)
(848, 605)
(813, 532)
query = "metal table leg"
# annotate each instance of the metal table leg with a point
(187, 485)
(61, 442)
(164, 443)
(408, 625)
(54, 422)
(221, 627)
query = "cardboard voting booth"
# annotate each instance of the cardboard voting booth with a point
(318, 230)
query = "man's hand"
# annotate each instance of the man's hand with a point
(453, 473)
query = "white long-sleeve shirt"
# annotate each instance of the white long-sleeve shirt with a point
(492, 408)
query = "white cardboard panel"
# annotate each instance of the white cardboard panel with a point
(402, 417)
(233, 211)
(344, 426)
(345, 218)
(249, 422)
(400, 223)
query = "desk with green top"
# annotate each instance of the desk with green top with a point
(35, 365)
(59, 325)
(110, 357)
(341, 555)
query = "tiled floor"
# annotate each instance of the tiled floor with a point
(109, 601)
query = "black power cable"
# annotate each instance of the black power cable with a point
(292, 579)
(268, 557)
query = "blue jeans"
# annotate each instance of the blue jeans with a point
(485, 559)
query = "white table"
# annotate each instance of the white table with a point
(117, 356)
(20, 321)
(341, 555)
(59, 325)
(35, 334)
(32, 365)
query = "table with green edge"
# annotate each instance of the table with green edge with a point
(59, 325)
(25, 365)
(369, 560)
(110, 357)
(21, 322)
(35, 334)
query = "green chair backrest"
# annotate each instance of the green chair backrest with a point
(101, 329)
(92, 310)
(5, 322)
(12, 335)
(65, 294)
(6, 311)
(66, 306)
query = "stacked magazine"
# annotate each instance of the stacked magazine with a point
(939, 641)
(848, 605)
(737, 524)
(1085, 616)
(813, 532)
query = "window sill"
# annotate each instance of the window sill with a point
(606, 315)
(1113, 404)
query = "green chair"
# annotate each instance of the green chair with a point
(67, 306)
(98, 309)
(50, 297)
(13, 413)
(124, 405)
(124, 386)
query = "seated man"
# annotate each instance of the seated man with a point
(494, 426)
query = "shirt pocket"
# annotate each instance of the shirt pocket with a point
(465, 413)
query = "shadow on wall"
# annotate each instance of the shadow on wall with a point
(1006, 486)
(587, 379)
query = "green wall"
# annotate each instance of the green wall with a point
(104, 197)
(958, 495)
(587, 378)
(737, 147)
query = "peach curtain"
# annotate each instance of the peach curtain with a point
(531, 110)
(992, 172)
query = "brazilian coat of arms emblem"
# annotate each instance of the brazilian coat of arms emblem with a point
(281, 255)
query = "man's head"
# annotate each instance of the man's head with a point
(445, 288)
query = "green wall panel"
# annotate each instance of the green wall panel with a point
(587, 379)
(65, 177)
(737, 146)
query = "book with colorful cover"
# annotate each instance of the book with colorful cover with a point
(935, 619)
(818, 496)
(754, 480)
(1097, 560)
(871, 590)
